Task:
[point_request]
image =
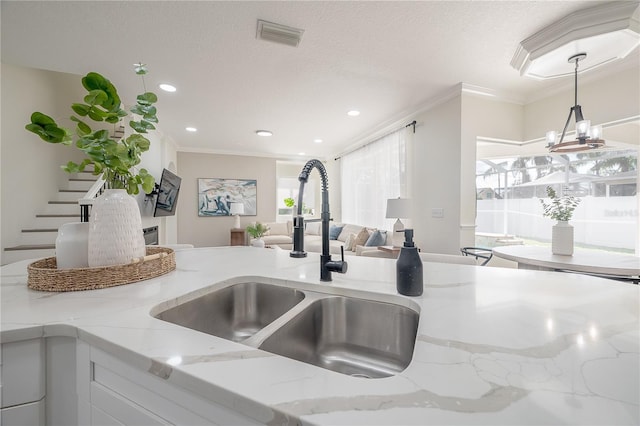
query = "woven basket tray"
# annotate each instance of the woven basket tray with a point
(44, 275)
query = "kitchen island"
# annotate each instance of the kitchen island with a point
(493, 346)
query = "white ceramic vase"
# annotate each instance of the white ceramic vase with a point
(72, 245)
(115, 229)
(258, 242)
(562, 238)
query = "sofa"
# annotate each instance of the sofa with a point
(356, 239)
(279, 235)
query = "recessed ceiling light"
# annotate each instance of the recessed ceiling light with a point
(353, 113)
(167, 87)
(264, 133)
(191, 129)
(317, 140)
(301, 153)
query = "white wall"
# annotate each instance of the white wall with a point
(613, 97)
(31, 171)
(214, 231)
(436, 177)
(444, 166)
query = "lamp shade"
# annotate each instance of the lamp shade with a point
(236, 208)
(398, 208)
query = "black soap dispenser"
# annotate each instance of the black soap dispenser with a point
(409, 268)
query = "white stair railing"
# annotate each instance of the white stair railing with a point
(87, 200)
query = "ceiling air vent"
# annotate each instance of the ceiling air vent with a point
(278, 33)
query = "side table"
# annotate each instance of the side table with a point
(238, 237)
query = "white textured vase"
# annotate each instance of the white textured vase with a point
(115, 229)
(562, 238)
(72, 245)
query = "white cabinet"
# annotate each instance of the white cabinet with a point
(120, 394)
(22, 375)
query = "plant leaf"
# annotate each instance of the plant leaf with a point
(148, 97)
(96, 96)
(96, 114)
(41, 119)
(80, 109)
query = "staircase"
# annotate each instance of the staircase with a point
(38, 241)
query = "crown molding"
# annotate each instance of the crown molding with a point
(294, 158)
(594, 31)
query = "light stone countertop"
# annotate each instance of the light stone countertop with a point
(494, 345)
(583, 260)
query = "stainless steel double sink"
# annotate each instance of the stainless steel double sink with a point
(346, 334)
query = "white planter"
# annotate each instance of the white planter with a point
(562, 238)
(115, 230)
(72, 245)
(258, 242)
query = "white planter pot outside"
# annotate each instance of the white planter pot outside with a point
(562, 238)
(115, 229)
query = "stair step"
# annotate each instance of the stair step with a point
(63, 202)
(80, 191)
(31, 247)
(38, 235)
(69, 195)
(81, 180)
(7, 257)
(59, 215)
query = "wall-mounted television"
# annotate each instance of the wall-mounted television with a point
(167, 198)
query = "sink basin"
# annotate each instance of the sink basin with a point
(236, 312)
(358, 337)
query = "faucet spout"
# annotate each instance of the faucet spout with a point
(326, 264)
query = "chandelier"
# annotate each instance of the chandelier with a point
(587, 137)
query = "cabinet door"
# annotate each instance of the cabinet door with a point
(23, 369)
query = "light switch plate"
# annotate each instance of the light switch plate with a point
(437, 212)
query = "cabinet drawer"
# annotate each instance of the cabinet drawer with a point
(31, 414)
(23, 372)
(124, 411)
(133, 397)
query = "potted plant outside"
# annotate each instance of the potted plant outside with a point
(115, 228)
(257, 231)
(560, 209)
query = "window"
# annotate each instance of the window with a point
(509, 190)
(370, 176)
(288, 187)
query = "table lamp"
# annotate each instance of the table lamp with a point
(236, 209)
(398, 208)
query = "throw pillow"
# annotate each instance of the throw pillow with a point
(378, 238)
(361, 238)
(348, 230)
(334, 231)
(348, 245)
(312, 228)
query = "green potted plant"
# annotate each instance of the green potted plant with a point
(115, 228)
(115, 159)
(560, 208)
(257, 231)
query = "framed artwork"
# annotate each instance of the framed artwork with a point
(216, 197)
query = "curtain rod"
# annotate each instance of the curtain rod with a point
(413, 123)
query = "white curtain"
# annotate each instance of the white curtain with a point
(373, 174)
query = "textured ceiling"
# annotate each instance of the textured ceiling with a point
(382, 58)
